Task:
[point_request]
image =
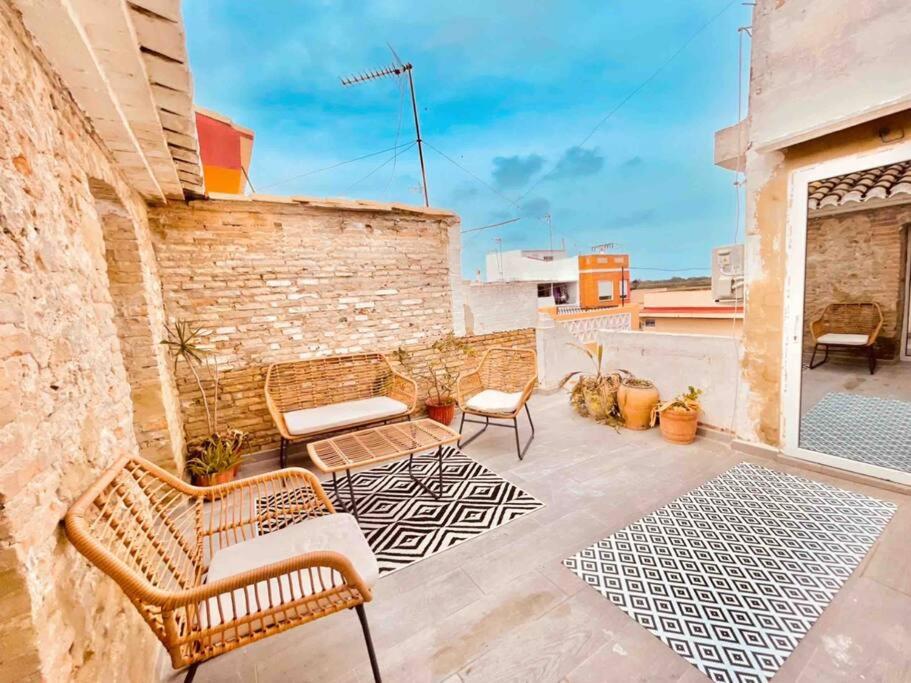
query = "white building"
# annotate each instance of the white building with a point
(556, 273)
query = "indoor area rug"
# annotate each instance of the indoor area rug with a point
(404, 524)
(733, 574)
(862, 428)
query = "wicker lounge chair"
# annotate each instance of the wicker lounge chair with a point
(212, 569)
(847, 326)
(499, 388)
(316, 397)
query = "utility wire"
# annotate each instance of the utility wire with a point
(336, 165)
(492, 225)
(391, 158)
(637, 89)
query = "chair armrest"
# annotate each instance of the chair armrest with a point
(233, 515)
(817, 329)
(871, 339)
(467, 385)
(277, 416)
(317, 573)
(404, 389)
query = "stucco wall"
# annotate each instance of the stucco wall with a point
(858, 256)
(719, 327)
(499, 306)
(675, 361)
(819, 67)
(65, 407)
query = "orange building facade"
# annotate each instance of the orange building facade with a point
(603, 280)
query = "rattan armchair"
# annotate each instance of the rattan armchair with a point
(499, 389)
(847, 325)
(300, 386)
(156, 536)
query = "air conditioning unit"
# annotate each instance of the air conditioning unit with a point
(727, 273)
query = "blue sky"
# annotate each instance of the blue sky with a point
(508, 90)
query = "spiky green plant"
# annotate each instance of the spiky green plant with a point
(183, 342)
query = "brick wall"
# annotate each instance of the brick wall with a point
(499, 306)
(277, 281)
(65, 408)
(858, 256)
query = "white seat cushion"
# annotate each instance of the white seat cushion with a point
(337, 532)
(493, 401)
(846, 339)
(337, 415)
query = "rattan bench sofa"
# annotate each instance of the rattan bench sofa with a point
(847, 326)
(312, 398)
(211, 569)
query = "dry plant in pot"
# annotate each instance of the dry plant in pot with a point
(215, 457)
(440, 375)
(679, 418)
(595, 395)
(637, 399)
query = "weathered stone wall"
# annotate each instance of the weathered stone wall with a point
(277, 281)
(65, 408)
(858, 256)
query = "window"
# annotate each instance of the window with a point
(648, 322)
(606, 290)
(544, 290)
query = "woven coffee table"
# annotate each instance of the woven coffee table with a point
(379, 444)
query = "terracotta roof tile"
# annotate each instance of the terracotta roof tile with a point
(884, 182)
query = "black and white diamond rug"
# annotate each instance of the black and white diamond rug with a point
(863, 428)
(403, 524)
(733, 574)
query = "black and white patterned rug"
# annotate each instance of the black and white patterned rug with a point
(403, 524)
(733, 574)
(862, 428)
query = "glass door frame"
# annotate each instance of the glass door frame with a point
(793, 320)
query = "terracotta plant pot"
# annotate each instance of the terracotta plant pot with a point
(217, 478)
(444, 413)
(679, 426)
(637, 399)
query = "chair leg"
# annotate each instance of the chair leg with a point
(520, 451)
(872, 358)
(362, 615)
(191, 672)
(814, 365)
(282, 452)
(461, 427)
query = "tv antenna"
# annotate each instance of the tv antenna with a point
(604, 248)
(398, 69)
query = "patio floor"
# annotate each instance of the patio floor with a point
(503, 607)
(891, 380)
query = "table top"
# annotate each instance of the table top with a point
(377, 444)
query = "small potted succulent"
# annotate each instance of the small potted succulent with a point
(215, 457)
(679, 418)
(439, 375)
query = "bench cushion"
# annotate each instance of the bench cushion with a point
(844, 339)
(338, 532)
(338, 415)
(493, 401)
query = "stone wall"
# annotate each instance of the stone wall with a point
(858, 256)
(499, 306)
(65, 408)
(284, 280)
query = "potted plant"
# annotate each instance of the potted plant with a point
(439, 375)
(215, 457)
(637, 399)
(595, 395)
(679, 418)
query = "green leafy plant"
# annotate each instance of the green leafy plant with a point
(215, 453)
(441, 372)
(688, 401)
(218, 451)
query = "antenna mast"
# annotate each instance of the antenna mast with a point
(398, 69)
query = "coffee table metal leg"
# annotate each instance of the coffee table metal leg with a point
(351, 495)
(424, 487)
